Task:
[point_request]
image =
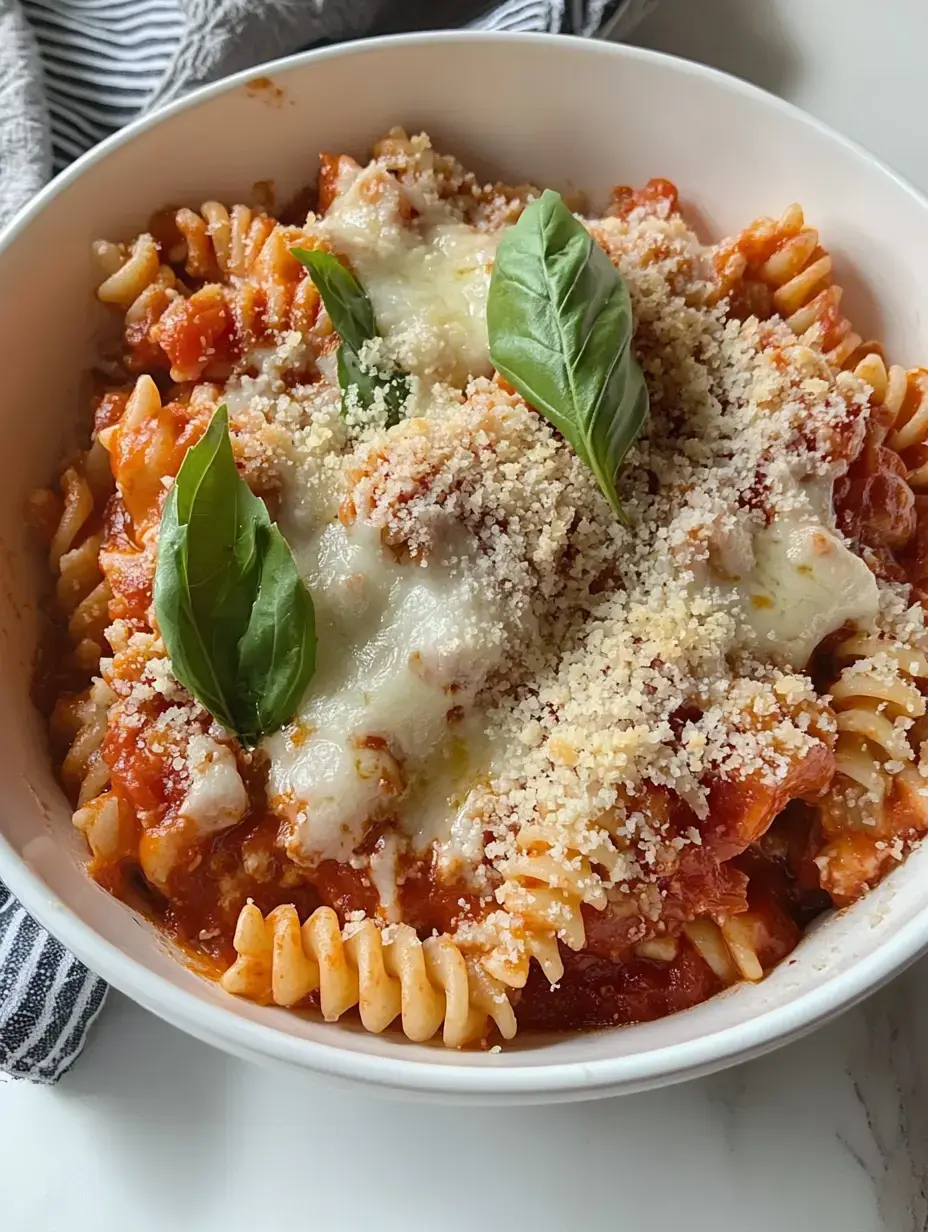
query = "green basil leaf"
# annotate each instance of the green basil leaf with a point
(352, 376)
(560, 326)
(346, 301)
(277, 652)
(352, 315)
(395, 387)
(234, 614)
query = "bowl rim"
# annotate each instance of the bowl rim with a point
(572, 1079)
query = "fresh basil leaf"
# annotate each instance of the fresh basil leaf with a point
(234, 614)
(277, 652)
(352, 376)
(395, 387)
(201, 657)
(346, 301)
(559, 320)
(350, 310)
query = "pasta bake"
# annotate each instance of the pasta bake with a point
(474, 611)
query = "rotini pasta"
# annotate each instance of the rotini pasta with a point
(877, 699)
(786, 271)
(710, 942)
(905, 397)
(242, 285)
(130, 272)
(728, 949)
(548, 766)
(218, 241)
(544, 896)
(879, 706)
(110, 828)
(82, 722)
(780, 267)
(658, 949)
(246, 246)
(146, 446)
(387, 974)
(81, 591)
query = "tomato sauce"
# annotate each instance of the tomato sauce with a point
(658, 197)
(599, 992)
(606, 985)
(196, 330)
(741, 810)
(207, 891)
(431, 902)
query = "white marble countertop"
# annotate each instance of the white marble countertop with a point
(154, 1131)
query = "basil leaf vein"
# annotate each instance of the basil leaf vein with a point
(236, 619)
(560, 326)
(352, 315)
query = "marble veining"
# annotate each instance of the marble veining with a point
(829, 1133)
(887, 1069)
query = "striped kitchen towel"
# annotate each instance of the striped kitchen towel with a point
(71, 72)
(47, 998)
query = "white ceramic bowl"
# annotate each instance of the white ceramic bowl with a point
(556, 111)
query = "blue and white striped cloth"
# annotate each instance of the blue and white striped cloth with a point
(102, 60)
(47, 998)
(71, 72)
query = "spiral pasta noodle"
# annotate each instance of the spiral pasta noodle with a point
(778, 266)
(266, 288)
(81, 591)
(158, 307)
(783, 261)
(245, 285)
(387, 973)
(219, 242)
(147, 443)
(786, 271)
(81, 722)
(136, 280)
(728, 948)
(544, 893)
(876, 702)
(903, 396)
(110, 827)
(783, 269)
(658, 949)
(878, 800)
(130, 271)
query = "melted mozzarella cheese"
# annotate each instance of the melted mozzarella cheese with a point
(427, 279)
(796, 580)
(805, 584)
(382, 873)
(216, 797)
(401, 648)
